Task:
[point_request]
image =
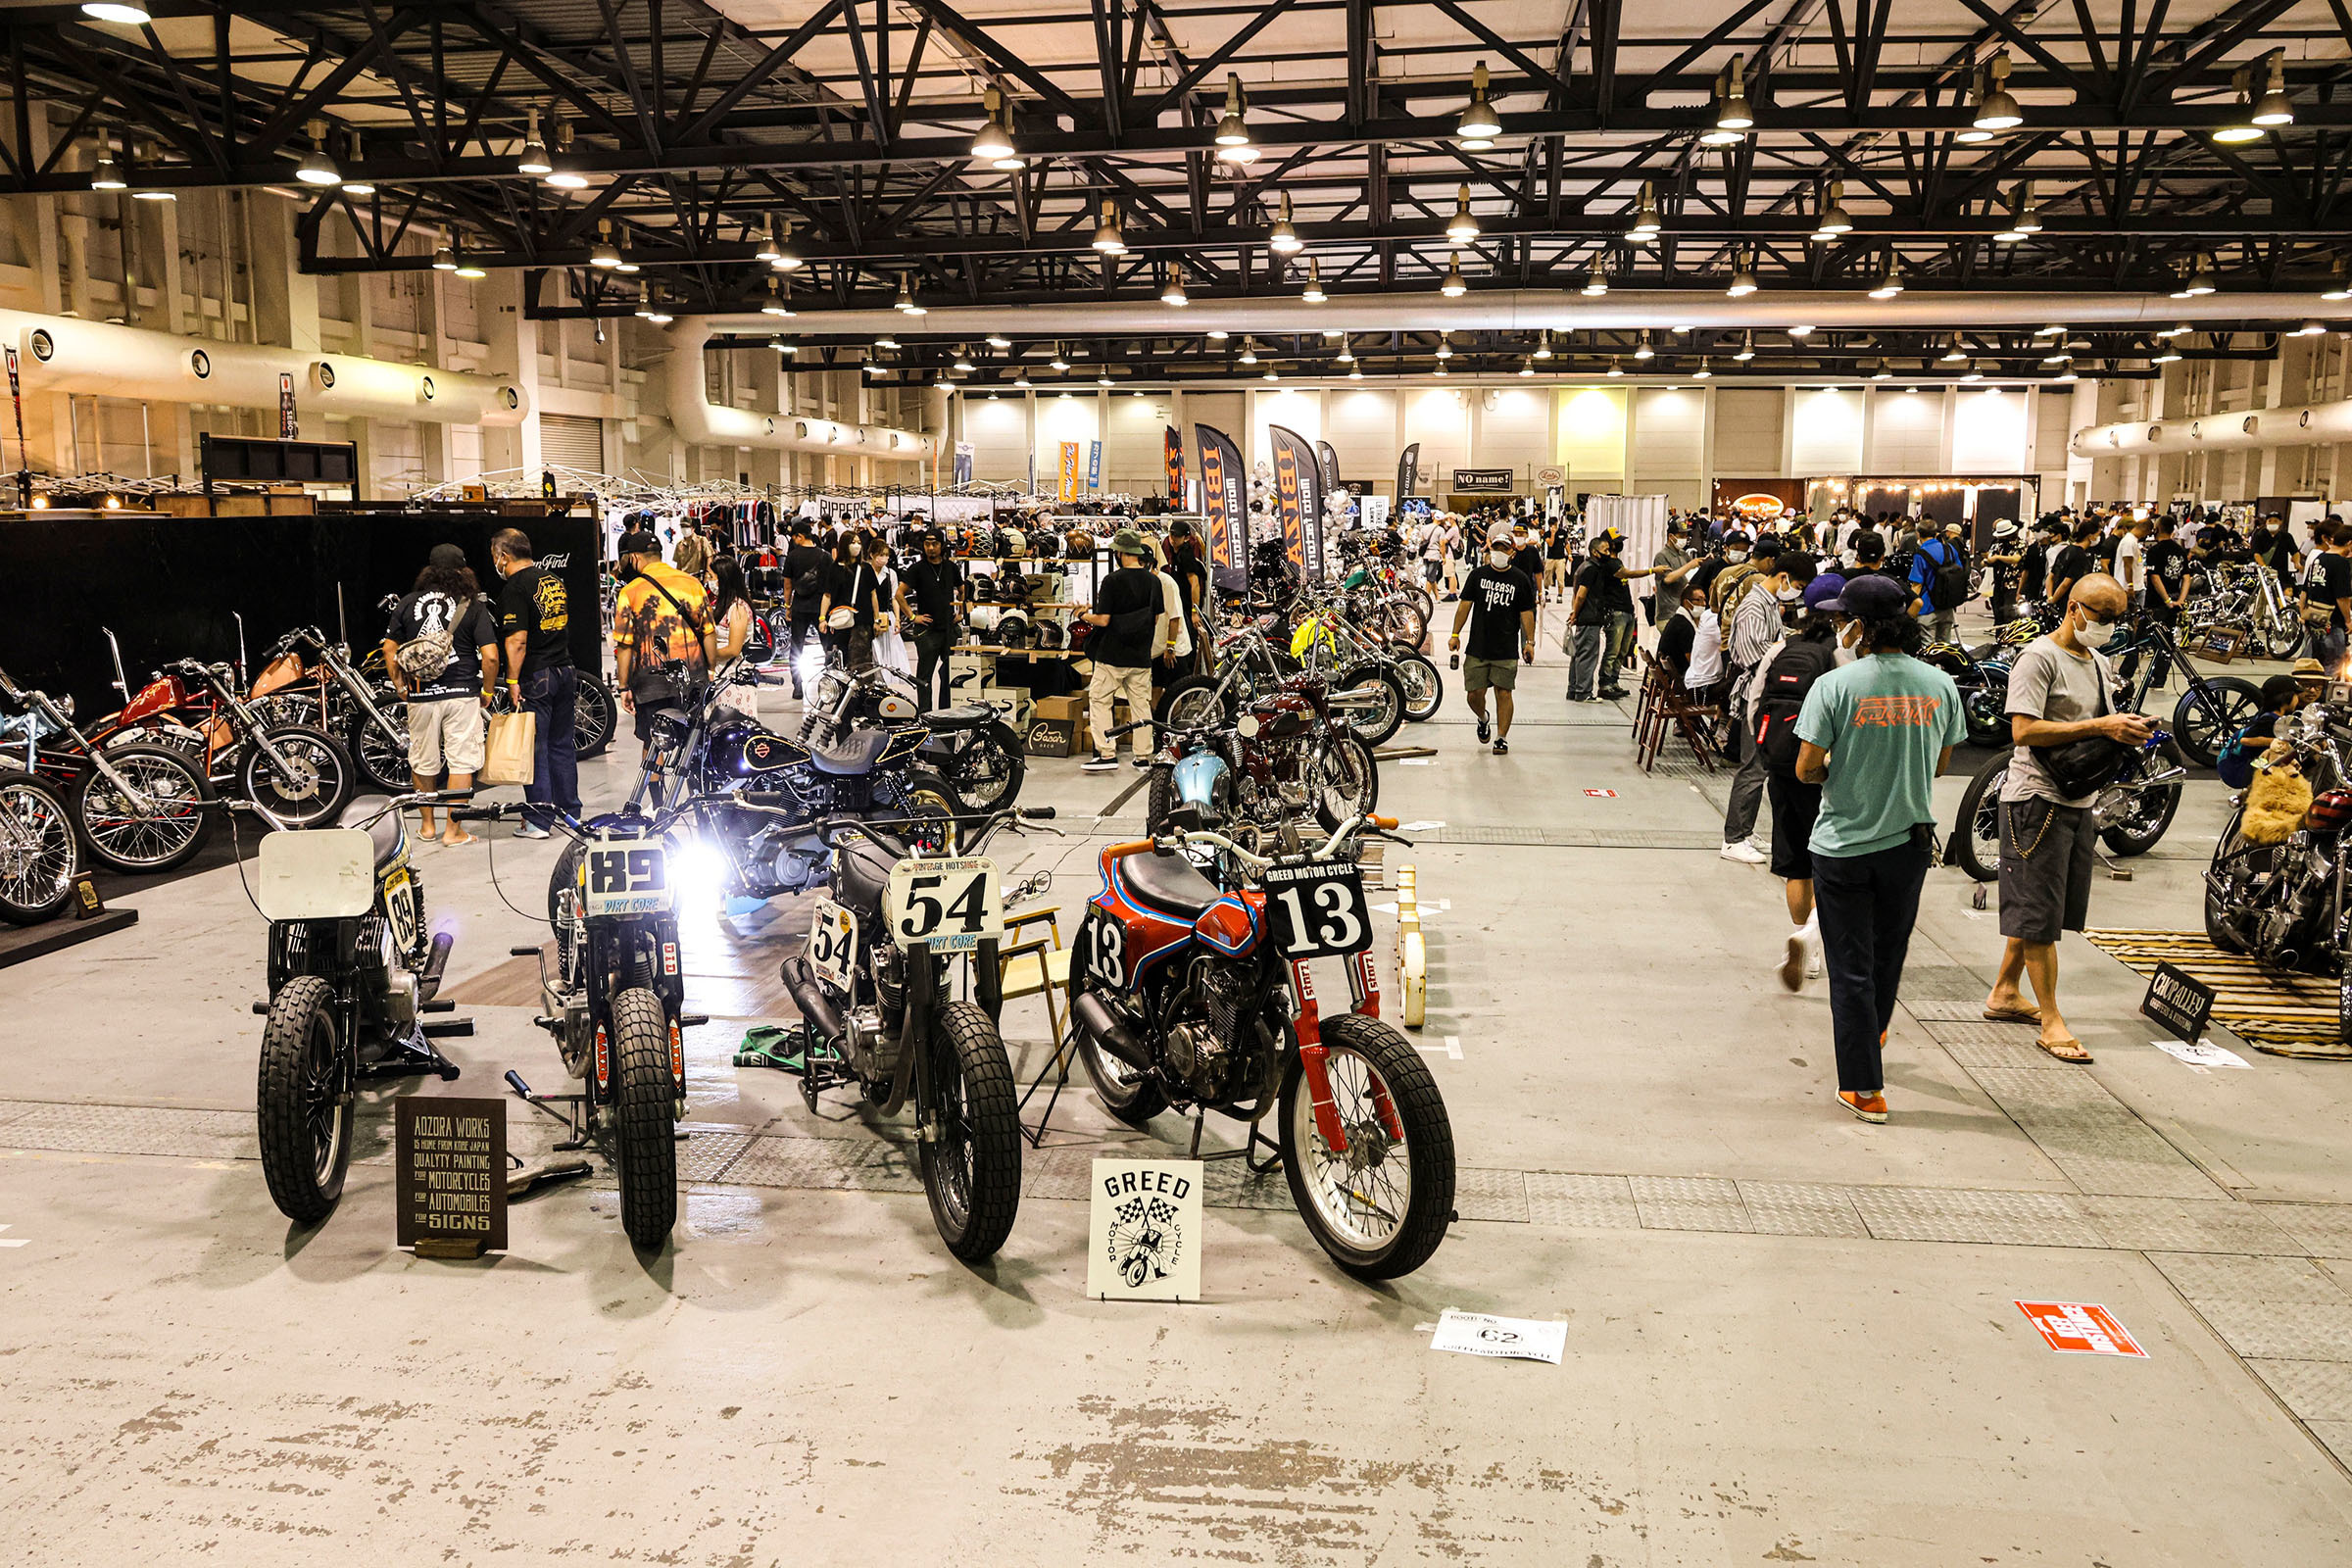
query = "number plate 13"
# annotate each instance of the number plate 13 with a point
(952, 905)
(1319, 908)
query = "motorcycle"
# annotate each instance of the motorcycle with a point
(301, 774)
(2246, 597)
(971, 747)
(353, 968)
(140, 807)
(877, 1011)
(1983, 677)
(1288, 754)
(1190, 995)
(2132, 812)
(39, 854)
(2287, 901)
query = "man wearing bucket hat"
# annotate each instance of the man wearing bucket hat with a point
(1127, 618)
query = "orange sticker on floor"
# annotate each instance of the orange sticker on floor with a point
(1603, 795)
(2080, 1328)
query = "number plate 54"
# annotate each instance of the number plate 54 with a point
(952, 905)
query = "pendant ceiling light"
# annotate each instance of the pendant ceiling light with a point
(1233, 131)
(1954, 353)
(1596, 280)
(106, 173)
(1733, 116)
(445, 258)
(2024, 214)
(963, 360)
(2202, 279)
(1479, 125)
(1453, 287)
(778, 302)
(1743, 280)
(1645, 226)
(2275, 110)
(1346, 356)
(1526, 367)
(1705, 371)
(2053, 330)
(2177, 329)
(1445, 348)
(357, 185)
(1835, 220)
(787, 259)
(1313, 293)
(1462, 227)
(907, 303)
(316, 168)
(1249, 351)
(1174, 293)
(770, 247)
(1282, 239)
(128, 16)
(2168, 355)
(1890, 281)
(467, 267)
(533, 160)
(2307, 329)
(997, 340)
(2339, 283)
(1543, 344)
(1995, 108)
(1643, 351)
(1614, 367)
(1747, 348)
(995, 141)
(1107, 236)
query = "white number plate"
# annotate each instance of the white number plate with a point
(833, 944)
(952, 905)
(1319, 908)
(625, 879)
(400, 908)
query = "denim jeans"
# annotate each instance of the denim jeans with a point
(1868, 904)
(931, 647)
(1584, 663)
(550, 697)
(1621, 639)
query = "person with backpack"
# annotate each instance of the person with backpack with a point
(441, 651)
(1940, 582)
(1776, 696)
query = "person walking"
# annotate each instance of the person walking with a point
(2060, 692)
(1129, 618)
(1755, 626)
(664, 645)
(1498, 602)
(1776, 697)
(930, 599)
(445, 628)
(2326, 602)
(1873, 735)
(808, 568)
(1940, 582)
(1600, 596)
(534, 621)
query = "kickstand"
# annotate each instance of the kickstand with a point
(574, 1115)
(1247, 1154)
(1064, 1050)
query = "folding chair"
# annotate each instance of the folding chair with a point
(1041, 966)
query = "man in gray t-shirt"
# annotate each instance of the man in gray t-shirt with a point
(2049, 841)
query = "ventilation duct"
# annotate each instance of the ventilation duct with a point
(2310, 425)
(65, 354)
(701, 423)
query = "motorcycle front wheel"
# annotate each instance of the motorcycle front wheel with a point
(987, 771)
(1344, 781)
(2139, 828)
(383, 761)
(2201, 729)
(1976, 842)
(644, 1140)
(2278, 639)
(1190, 702)
(2228, 848)
(302, 1104)
(592, 721)
(39, 855)
(564, 911)
(972, 1168)
(315, 781)
(161, 821)
(1376, 721)
(1424, 688)
(1381, 1206)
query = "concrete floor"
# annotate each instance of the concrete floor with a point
(1791, 1337)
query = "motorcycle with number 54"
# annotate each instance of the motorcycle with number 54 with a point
(1192, 996)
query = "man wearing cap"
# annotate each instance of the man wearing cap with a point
(1929, 592)
(444, 610)
(2006, 557)
(1874, 734)
(534, 617)
(1600, 596)
(664, 641)
(1129, 633)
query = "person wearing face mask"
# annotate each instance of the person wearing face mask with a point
(2326, 598)
(534, 622)
(2060, 692)
(1600, 597)
(1754, 629)
(855, 607)
(1498, 602)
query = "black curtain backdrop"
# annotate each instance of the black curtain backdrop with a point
(167, 586)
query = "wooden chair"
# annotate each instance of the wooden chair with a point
(1041, 966)
(1667, 706)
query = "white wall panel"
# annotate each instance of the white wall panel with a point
(1989, 432)
(1064, 417)
(1135, 450)
(1747, 432)
(1906, 432)
(1666, 449)
(1361, 427)
(1299, 410)
(1591, 437)
(1514, 431)
(1438, 418)
(1827, 437)
(999, 432)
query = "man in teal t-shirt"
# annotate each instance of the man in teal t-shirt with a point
(1874, 735)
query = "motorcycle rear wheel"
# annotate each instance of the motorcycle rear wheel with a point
(1376, 722)
(2279, 639)
(1346, 781)
(303, 1110)
(2151, 815)
(644, 1142)
(592, 721)
(986, 773)
(1374, 1226)
(39, 855)
(1131, 1094)
(383, 764)
(320, 784)
(1976, 842)
(163, 827)
(972, 1171)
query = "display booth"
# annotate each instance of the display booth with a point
(1641, 519)
(1978, 501)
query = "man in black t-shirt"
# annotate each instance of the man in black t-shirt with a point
(2327, 604)
(445, 705)
(2164, 563)
(2005, 558)
(1128, 616)
(930, 594)
(1602, 600)
(808, 572)
(1499, 601)
(2074, 563)
(534, 613)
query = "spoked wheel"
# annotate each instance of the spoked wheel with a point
(1190, 702)
(563, 912)
(972, 1167)
(1376, 721)
(2278, 639)
(987, 773)
(645, 1147)
(156, 821)
(591, 717)
(304, 1101)
(39, 855)
(1424, 688)
(930, 796)
(1980, 707)
(1403, 620)
(2203, 726)
(1344, 780)
(383, 761)
(2140, 823)
(310, 788)
(1975, 843)
(1380, 1206)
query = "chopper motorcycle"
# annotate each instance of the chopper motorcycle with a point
(138, 807)
(300, 774)
(1190, 995)
(2288, 902)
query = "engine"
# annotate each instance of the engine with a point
(1221, 1052)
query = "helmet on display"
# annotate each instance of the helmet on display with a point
(1012, 628)
(1049, 634)
(2331, 813)
(984, 616)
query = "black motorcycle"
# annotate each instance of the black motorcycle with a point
(877, 1010)
(971, 747)
(352, 969)
(2132, 812)
(2287, 902)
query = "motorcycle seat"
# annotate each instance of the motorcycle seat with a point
(863, 877)
(852, 754)
(1168, 882)
(963, 716)
(385, 832)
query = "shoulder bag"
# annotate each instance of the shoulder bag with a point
(2087, 765)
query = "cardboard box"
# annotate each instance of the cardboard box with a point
(1061, 707)
(1010, 701)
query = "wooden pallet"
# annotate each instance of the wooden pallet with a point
(2283, 1015)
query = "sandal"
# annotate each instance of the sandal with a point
(2067, 1050)
(2012, 1016)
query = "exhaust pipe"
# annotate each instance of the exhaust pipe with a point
(1102, 1027)
(810, 997)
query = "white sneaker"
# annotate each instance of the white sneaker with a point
(1793, 964)
(1744, 852)
(1812, 945)
(530, 830)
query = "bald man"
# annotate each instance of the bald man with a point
(2060, 692)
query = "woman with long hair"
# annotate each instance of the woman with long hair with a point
(730, 607)
(853, 596)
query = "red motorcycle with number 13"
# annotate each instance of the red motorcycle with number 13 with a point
(1199, 998)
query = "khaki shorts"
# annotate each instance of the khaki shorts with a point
(444, 734)
(1480, 673)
